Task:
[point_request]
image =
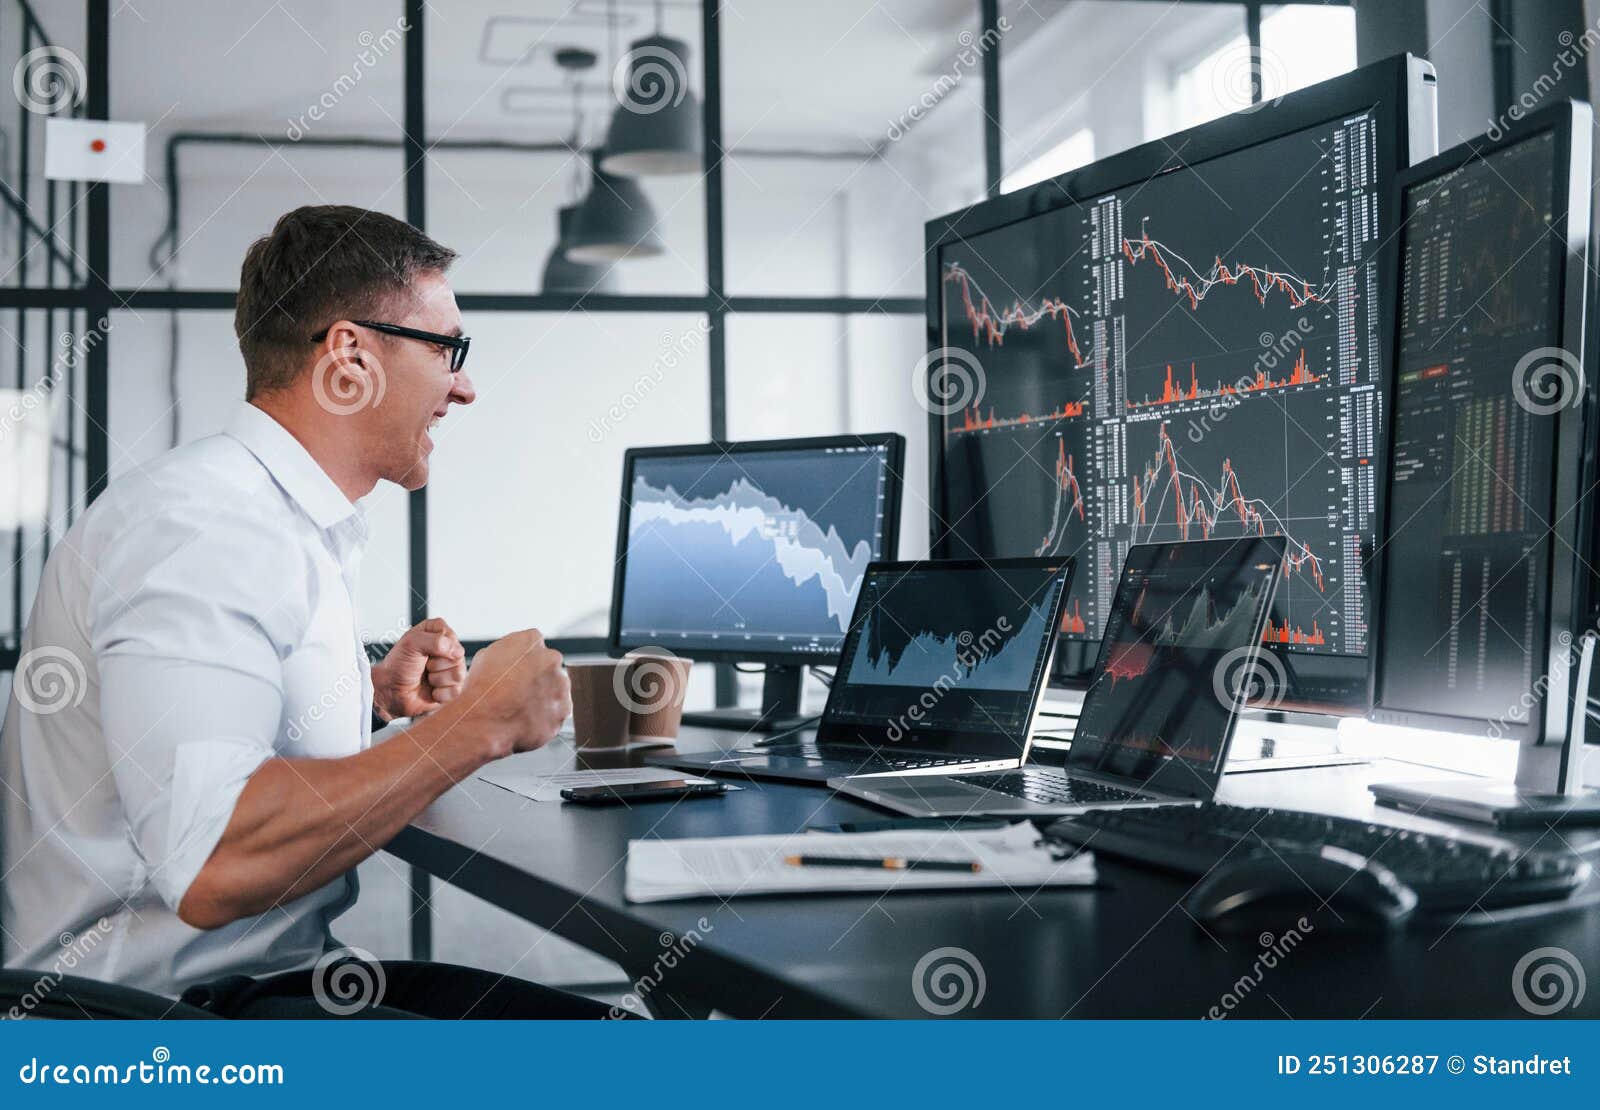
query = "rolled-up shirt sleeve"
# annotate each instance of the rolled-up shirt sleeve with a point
(184, 740)
(191, 625)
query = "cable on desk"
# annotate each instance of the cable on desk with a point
(790, 731)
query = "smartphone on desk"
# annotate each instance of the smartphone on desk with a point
(666, 790)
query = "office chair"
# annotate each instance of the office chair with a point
(71, 998)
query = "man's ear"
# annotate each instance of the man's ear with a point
(348, 375)
(341, 335)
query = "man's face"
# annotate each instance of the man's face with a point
(418, 385)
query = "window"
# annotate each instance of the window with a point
(1301, 44)
(1077, 149)
(1219, 83)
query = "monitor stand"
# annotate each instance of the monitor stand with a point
(1272, 742)
(1549, 788)
(781, 688)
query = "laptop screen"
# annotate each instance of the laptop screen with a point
(947, 656)
(1181, 652)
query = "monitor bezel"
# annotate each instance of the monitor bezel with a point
(616, 645)
(1548, 717)
(944, 741)
(1390, 86)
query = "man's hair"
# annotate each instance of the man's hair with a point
(320, 264)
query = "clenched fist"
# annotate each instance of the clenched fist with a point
(423, 671)
(517, 691)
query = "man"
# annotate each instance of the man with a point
(187, 752)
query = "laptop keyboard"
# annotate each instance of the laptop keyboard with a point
(1048, 786)
(808, 749)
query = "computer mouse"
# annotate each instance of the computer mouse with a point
(1360, 891)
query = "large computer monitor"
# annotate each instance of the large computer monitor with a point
(1185, 341)
(752, 552)
(1484, 570)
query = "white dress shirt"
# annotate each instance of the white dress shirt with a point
(198, 620)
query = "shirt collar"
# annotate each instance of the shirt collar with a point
(291, 466)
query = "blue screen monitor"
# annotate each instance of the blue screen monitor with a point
(752, 551)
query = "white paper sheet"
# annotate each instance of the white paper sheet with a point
(661, 870)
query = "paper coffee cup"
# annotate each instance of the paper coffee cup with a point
(653, 689)
(599, 717)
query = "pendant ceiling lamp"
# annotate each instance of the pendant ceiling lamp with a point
(563, 274)
(656, 127)
(614, 221)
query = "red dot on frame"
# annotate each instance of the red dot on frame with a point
(97, 145)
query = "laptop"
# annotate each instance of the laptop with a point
(1180, 657)
(942, 670)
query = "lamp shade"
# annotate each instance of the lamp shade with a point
(563, 275)
(656, 128)
(614, 221)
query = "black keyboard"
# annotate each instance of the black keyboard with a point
(1447, 873)
(1050, 787)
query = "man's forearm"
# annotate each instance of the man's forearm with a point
(300, 823)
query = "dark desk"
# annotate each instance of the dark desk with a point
(1128, 950)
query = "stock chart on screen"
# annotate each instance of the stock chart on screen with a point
(751, 550)
(918, 656)
(974, 635)
(1472, 460)
(1195, 356)
(1177, 651)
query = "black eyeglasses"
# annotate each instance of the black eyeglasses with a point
(456, 344)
